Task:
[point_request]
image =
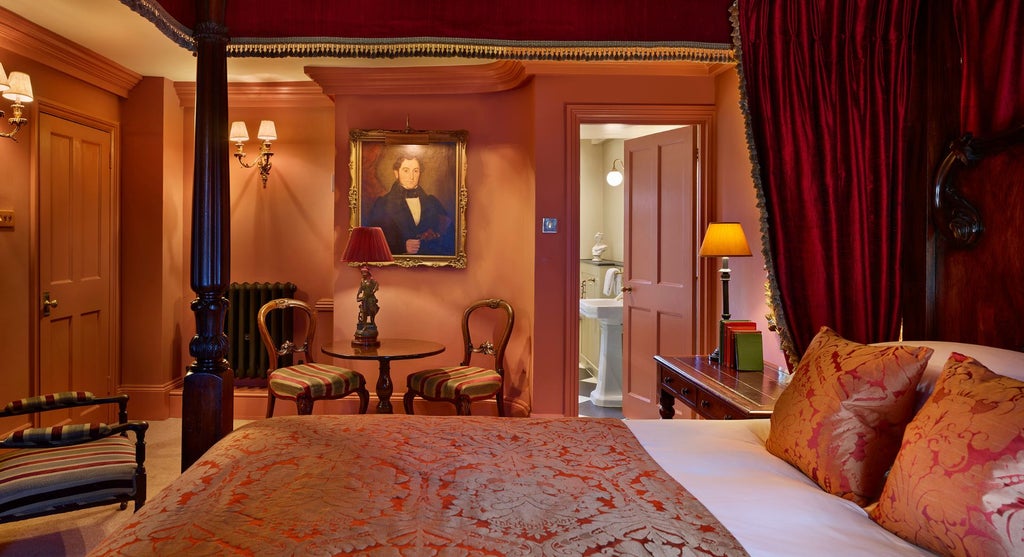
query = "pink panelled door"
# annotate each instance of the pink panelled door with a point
(659, 312)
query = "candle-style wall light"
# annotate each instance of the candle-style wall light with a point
(267, 133)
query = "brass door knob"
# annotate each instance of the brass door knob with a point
(48, 303)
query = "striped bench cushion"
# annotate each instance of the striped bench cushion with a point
(39, 480)
(451, 382)
(55, 436)
(314, 380)
(45, 402)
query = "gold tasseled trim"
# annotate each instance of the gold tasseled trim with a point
(155, 13)
(497, 50)
(314, 47)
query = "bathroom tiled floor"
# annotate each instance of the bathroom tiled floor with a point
(589, 409)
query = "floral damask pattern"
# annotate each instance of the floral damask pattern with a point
(957, 486)
(842, 416)
(425, 485)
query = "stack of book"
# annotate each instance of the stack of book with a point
(740, 343)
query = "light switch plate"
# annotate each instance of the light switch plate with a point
(6, 218)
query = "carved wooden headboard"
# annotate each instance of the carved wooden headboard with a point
(979, 249)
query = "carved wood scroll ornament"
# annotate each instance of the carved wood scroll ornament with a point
(956, 217)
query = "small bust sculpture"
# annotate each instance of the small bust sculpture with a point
(599, 247)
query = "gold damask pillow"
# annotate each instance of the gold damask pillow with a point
(957, 486)
(842, 416)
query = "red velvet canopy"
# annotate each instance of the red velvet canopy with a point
(270, 28)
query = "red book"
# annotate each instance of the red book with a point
(728, 341)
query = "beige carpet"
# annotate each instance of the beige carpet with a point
(75, 533)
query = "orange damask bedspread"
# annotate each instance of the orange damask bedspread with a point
(425, 485)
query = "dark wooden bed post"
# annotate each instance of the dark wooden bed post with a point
(208, 400)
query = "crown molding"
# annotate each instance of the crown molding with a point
(304, 94)
(41, 45)
(420, 80)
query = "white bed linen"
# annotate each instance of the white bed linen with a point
(770, 506)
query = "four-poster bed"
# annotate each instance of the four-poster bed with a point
(647, 485)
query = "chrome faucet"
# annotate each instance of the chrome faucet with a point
(583, 286)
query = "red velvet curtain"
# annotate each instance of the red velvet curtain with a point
(991, 34)
(826, 86)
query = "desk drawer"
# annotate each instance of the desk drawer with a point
(682, 388)
(715, 409)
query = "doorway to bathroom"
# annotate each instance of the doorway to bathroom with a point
(602, 237)
(662, 198)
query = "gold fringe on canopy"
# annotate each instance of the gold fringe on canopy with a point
(327, 47)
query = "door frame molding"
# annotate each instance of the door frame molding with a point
(35, 319)
(702, 115)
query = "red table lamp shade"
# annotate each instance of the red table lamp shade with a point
(366, 244)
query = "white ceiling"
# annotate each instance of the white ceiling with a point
(114, 31)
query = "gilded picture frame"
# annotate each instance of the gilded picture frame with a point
(399, 175)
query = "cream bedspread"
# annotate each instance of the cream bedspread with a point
(425, 485)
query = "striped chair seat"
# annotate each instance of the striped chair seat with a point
(449, 383)
(314, 381)
(309, 381)
(465, 383)
(45, 480)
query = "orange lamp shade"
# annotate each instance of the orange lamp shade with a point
(724, 239)
(366, 244)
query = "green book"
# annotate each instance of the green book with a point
(748, 350)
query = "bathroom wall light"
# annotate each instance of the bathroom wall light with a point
(614, 177)
(268, 132)
(16, 87)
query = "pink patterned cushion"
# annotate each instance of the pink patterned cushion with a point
(842, 416)
(957, 486)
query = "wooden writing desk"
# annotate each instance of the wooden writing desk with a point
(713, 391)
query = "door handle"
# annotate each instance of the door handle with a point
(48, 303)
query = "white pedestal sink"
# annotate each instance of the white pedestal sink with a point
(608, 312)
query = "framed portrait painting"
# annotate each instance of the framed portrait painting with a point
(412, 184)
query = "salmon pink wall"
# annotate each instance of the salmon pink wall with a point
(151, 250)
(736, 200)
(427, 303)
(284, 232)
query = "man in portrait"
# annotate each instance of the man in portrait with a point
(414, 221)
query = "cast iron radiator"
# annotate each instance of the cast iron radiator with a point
(246, 353)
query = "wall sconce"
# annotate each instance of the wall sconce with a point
(268, 132)
(16, 87)
(614, 177)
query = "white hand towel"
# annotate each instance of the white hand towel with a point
(612, 281)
